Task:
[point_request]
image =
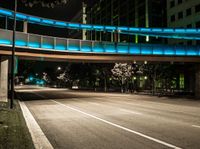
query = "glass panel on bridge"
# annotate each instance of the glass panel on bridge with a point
(180, 50)
(34, 44)
(20, 43)
(146, 49)
(157, 49)
(61, 44)
(123, 48)
(5, 41)
(192, 51)
(86, 46)
(48, 43)
(109, 47)
(73, 45)
(134, 49)
(98, 47)
(169, 50)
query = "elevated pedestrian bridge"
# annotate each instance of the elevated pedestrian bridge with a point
(176, 33)
(54, 48)
(33, 46)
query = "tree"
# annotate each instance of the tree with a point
(122, 72)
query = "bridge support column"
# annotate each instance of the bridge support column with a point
(3, 79)
(25, 26)
(197, 82)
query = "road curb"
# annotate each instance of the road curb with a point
(40, 141)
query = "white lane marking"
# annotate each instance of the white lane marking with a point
(97, 104)
(132, 112)
(121, 127)
(40, 141)
(196, 126)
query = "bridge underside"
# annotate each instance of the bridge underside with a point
(5, 53)
(91, 57)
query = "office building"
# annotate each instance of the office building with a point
(133, 13)
(183, 14)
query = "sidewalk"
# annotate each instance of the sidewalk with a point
(13, 130)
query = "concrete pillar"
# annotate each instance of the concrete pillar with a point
(25, 27)
(197, 82)
(3, 79)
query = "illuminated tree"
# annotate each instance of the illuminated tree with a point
(122, 72)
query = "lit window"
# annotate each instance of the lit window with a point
(182, 81)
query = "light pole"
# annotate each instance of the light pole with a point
(13, 56)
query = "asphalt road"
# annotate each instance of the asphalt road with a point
(86, 120)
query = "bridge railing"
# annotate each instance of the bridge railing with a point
(175, 33)
(39, 42)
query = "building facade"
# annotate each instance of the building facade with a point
(133, 13)
(183, 14)
(80, 17)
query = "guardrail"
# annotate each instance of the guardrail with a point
(176, 33)
(33, 41)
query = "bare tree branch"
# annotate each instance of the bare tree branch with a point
(44, 3)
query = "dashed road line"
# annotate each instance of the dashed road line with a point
(196, 126)
(132, 112)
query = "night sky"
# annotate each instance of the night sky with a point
(61, 12)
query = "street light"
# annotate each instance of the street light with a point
(59, 68)
(13, 56)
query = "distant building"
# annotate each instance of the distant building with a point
(80, 17)
(133, 13)
(183, 14)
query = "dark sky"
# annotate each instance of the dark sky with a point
(61, 12)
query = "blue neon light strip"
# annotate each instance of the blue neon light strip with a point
(34, 19)
(21, 16)
(190, 34)
(98, 27)
(111, 48)
(74, 25)
(110, 28)
(123, 28)
(34, 45)
(61, 24)
(50, 22)
(85, 26)
(5, 41)
(5, 12)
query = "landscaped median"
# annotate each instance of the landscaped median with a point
(13, 130)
